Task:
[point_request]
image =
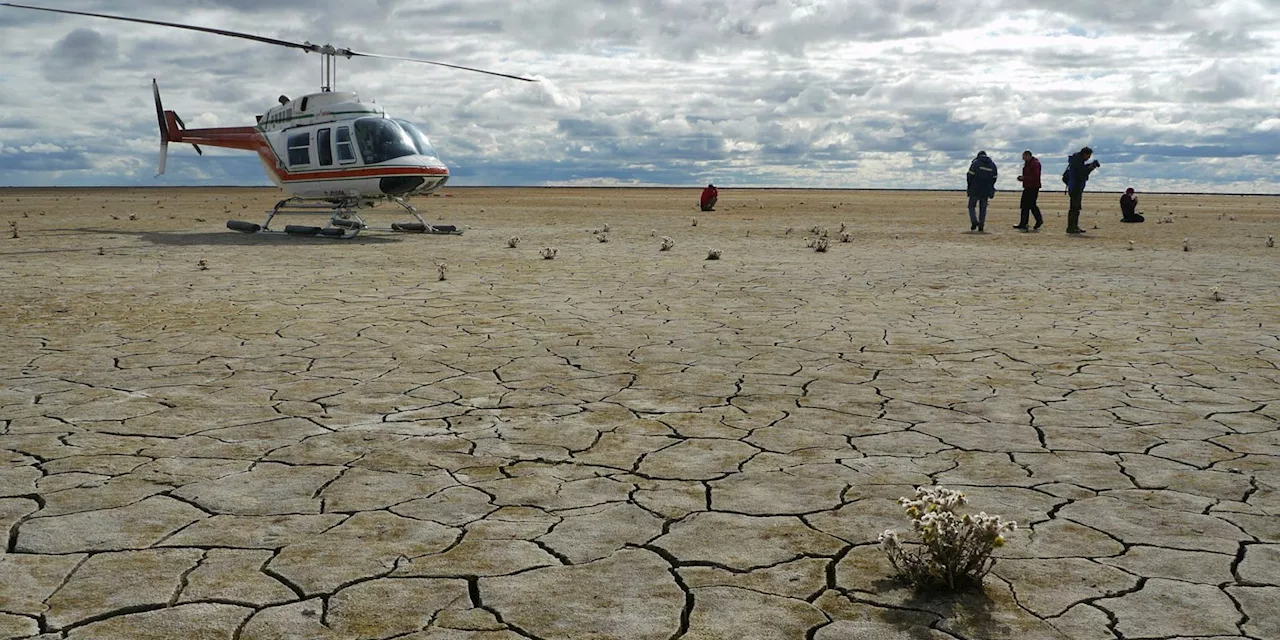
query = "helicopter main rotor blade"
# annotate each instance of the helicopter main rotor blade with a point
(349, 53)
(221, 32)
(305, 46)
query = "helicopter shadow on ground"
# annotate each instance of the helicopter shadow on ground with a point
(232, 238)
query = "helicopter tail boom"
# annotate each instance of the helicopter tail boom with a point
(246, 138)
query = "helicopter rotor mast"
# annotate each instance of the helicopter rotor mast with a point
(328, 53)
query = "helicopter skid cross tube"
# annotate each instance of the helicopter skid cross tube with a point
(344, 219)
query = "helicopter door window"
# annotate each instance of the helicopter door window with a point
(346, 152)
(324, 147)
(299, 149)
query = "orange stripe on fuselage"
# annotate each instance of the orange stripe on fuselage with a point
(363, 172)
(252, 139)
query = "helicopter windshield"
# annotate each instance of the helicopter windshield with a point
(419, 139)
(381, 140)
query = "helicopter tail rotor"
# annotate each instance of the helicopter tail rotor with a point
(164, 128)
(171, 128)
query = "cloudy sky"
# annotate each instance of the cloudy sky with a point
(1174, 95)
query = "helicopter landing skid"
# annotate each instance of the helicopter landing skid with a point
(344, 220)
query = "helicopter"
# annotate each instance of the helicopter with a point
(332, 153)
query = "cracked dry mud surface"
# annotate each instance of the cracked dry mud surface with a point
(317, 439)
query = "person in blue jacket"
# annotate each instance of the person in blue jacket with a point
(1078, 170)
(981, 186)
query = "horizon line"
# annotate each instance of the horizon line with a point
(667, 187)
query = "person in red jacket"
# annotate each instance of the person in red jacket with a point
(709, 197)
(1030, 180)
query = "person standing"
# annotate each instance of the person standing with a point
(1078, 170)
(1129, 207)
(709, 197)
(1030, 180)
(981, 186)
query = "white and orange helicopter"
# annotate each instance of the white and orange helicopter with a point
(333, 154)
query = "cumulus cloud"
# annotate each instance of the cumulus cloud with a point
(74, 57)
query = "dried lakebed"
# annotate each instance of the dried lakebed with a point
(302, 438)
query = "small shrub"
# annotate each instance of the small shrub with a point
(954, 550)
(713, 254)
(667, 244)
(1186, 244)
(513, 241)
(442, 268)
(846, 237)
(821, 244)
(549, 253)
(1271, 241)
(603, 236)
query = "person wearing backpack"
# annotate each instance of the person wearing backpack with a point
(1077, 174)
(1030, 180)
(981, 185)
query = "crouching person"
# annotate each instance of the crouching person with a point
(1129, 207)
(709, 197)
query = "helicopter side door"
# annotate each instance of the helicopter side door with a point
(324, 146)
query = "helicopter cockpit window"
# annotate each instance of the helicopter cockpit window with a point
(299, 149)
(346, 153)
(381, 140)
(419, 139)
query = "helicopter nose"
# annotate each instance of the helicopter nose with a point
(431, 175)
(400, 185)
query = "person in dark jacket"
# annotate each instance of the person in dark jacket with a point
(709, 197)
(1129, 207)
(1078, 170)
(981, 186)
(1030, 180)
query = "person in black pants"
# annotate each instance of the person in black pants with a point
(1078, 170)
(981, 186)
(1030, 180)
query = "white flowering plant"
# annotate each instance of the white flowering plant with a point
(954, 549)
